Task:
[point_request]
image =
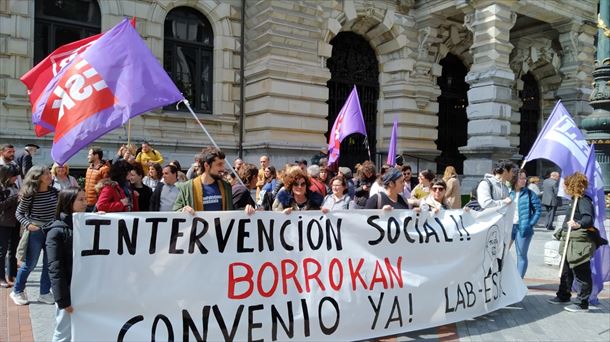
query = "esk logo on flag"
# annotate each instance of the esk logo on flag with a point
(80, 93)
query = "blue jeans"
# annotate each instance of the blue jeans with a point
(522, 245)
(63, 326)
(36, 243)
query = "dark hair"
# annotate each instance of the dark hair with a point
(98, 151)
(119, 170)
(272, 170)
(503, 165)
(7, 171)
(5, 146)
(145, 142)
(405, 168)
(65, 201)
(438, 182)
(429, 175)
(342, 180)
(158, 169)
(172, 168)
(137, 167)
(176, 164)
(208, 155)
(247, 172)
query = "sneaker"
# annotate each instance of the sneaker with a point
(19, 298)
(46, 298)
(558, 300)
(575, 308)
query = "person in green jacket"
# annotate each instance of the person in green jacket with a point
(580, 246)
(207, 192)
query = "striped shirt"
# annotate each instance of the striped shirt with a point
(38, 209)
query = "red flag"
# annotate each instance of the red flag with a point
(37, 79)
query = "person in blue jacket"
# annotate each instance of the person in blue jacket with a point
(527, 213)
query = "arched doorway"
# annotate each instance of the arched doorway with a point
(452, 119)
(530, 117)
(353, 62)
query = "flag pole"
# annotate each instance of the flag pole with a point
(128, 133)
(565, 247)
(186, 103)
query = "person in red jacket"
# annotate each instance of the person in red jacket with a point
(116, 193)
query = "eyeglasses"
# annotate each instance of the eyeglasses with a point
(437, 188)
(300, 183)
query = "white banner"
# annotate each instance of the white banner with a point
(347, 275)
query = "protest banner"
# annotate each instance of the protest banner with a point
(346, 275)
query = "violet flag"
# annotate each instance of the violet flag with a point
(600, 263)
(114, 80)
(349, 121)
(562, 142)
(392, 148)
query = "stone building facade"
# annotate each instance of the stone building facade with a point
(468, 81)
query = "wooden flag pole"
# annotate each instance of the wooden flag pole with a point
(128, 133)
(565, 248)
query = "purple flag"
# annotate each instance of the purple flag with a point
(116, 79)
(348, 121)
(600, 263)
(562, 142)
(392, 148)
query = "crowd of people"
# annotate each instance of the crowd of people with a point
(36, 203)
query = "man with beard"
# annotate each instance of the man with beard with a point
(7, 155)
(207, 192)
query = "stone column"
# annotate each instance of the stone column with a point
(490, 95)
(576, 40)
(597, 125)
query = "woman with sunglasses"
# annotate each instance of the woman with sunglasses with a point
(437, 199)
(295, 195)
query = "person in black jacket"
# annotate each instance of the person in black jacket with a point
(242, 197)
(59, 251)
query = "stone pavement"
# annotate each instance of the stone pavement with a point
(531, 320)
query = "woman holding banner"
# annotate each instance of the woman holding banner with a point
(296, 194)
(581, 245)
(527, 213)
(389, 198)
(59, 251)
(339, 199)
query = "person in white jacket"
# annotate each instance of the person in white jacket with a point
(492, 190)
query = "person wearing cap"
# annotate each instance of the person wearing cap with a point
(24, 161)
(389, 198)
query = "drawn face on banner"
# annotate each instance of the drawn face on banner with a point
(492, 249)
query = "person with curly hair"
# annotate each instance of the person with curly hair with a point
(581, 245)
(296, 194)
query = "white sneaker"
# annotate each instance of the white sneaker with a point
(46, 298)
(19, 298)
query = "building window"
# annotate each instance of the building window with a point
(58, 22)
(187, 57)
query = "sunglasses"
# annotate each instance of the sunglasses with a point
(437, 188)
(300, 183)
